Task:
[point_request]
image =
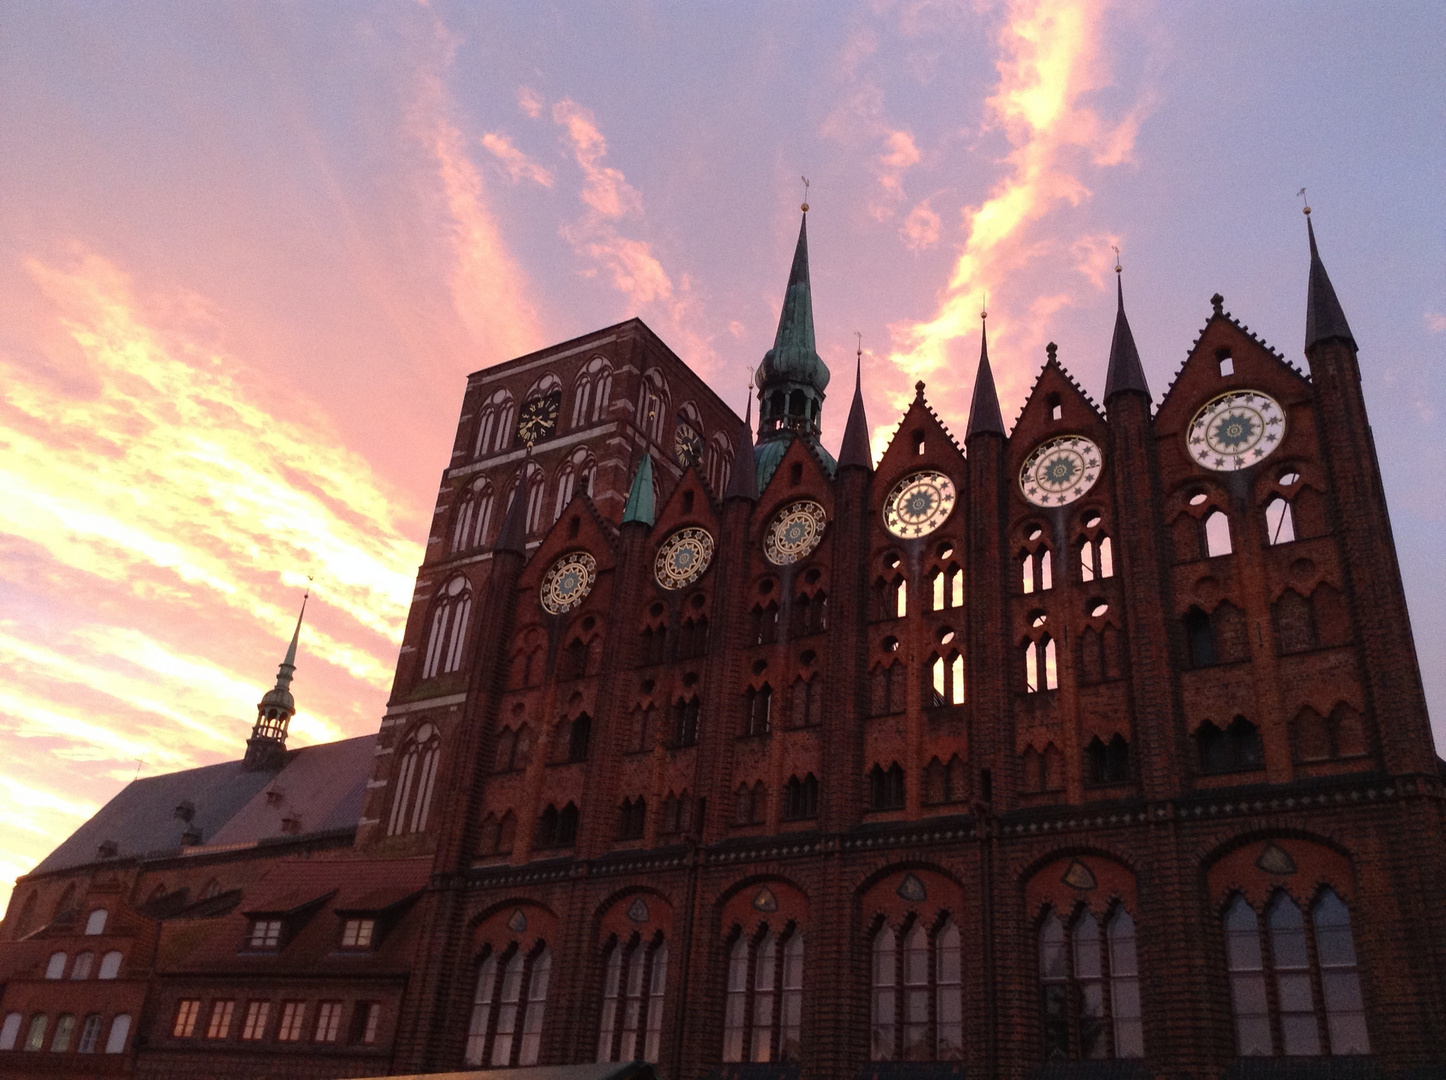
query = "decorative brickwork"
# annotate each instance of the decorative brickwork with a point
(1117, 768)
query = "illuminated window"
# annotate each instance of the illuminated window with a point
(219, 1026)
(763, 1015)
(293, 1013)
(633, 987)
(187, 1011)
(357, 933)
(328, 1020)
(253, 1028)
(265, 933)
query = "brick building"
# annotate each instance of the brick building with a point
(1095, 748)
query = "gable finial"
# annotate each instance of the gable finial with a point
(1305, 204)
(804, 208)
(1050, 350)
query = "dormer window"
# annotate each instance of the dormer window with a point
(265, 934)
(358, 933)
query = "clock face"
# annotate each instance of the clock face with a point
(683, 558)
(794, 533)
(538, 418)
(568, 582)
(1236, 430)
(919, 504)
(687, 444)
(1060, 470)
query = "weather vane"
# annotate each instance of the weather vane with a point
(1116, 249)
(984, 305)
(859, 334)
(805, 193)
(1301, 195)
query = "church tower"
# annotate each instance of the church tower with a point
(792, 378)
(267, 745)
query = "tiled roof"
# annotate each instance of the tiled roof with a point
(321, 786)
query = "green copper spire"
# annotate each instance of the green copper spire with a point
(792, 377)
(794, 357)
(640, 499)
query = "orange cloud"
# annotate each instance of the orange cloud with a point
(921, 228)
(489, 289)
(1049, 62)
(605, 189)
(518, 165)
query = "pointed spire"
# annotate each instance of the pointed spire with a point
(1125, 371)
(984, 416)
(794, 356)
(640, 499)
(513, 535)
(267, 745)
(1324, 318)
(854, 450)
(743, 481)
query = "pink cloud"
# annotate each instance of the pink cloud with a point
(518, 165)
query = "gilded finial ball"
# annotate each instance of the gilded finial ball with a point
(805, 208)
(1306, 211)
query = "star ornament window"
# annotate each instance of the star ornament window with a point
(1236, 430)
(918, 504)
(1060, 470)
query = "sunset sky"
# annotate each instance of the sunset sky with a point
(249, 252)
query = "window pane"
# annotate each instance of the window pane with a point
(481, 1010)
(736, 1004)
(884, 975)
(949, 1005)
(765, 970)
(790, 1031)
(536, 1006)
(610, 1003)
(120, 1028)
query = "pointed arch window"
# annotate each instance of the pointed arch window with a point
(1096, 559)
(1236, 749)
(1037, 570)
(888, 689)
(750, 804)
(1279, 522)
(574, 477)
(653, 404)
(1275, 979)
(557, 828)
(416, 778)
(719, 463)
(1089, 987)
(693, 638)
(472, 522)
(763, 1014)
(800, 798)
(498, 834)
(1107, 764)
(947, 679)
(758, 710)
(1040, 670)
(886, 787)
(592, 392)
(917, 982)
(946, 587)
(508, 1007)
(944, 783)
(765, 624)
(634, 981)
(448, 630)
(632, 818)
(807, 702)
(810, 614)
(1217, 534)
(685, 722)
(494, 424)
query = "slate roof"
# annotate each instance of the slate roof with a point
(321, 785)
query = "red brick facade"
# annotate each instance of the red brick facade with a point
(1006, 797)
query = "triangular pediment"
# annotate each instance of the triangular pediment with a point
(1252, 364)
